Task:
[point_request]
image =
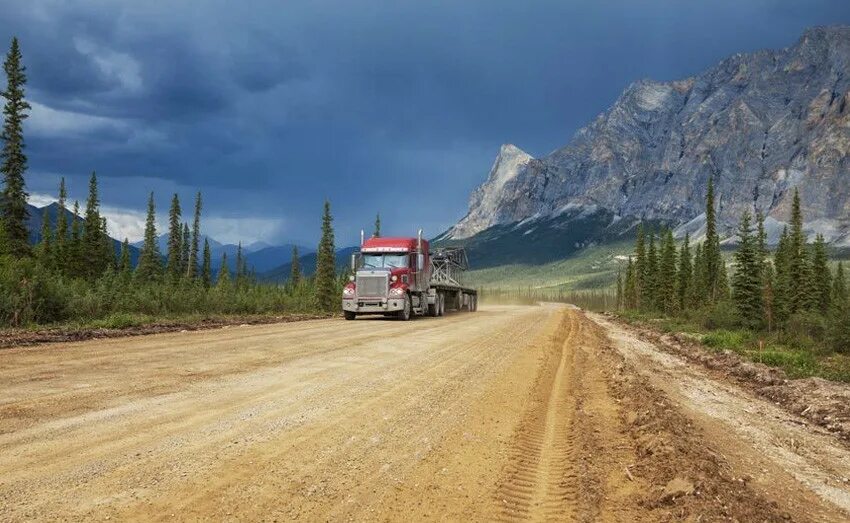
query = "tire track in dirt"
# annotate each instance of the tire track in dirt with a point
(541, 479)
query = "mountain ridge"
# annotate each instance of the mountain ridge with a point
(760, 124)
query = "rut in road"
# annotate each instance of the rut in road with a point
(541, 478)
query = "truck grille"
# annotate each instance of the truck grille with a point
(369, 286)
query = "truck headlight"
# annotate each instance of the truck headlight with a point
(394, 278)
(396, 292)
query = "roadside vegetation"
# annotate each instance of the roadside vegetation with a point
(75, 276)
(788, 308)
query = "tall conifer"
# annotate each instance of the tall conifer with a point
(839, 287)
(13, 200)
(196, 239)
(93, 259)
(175, 239)
(125, 265)
(715, 269)
(185, 251)
(325, 264)
(747, 286)
(75, 247)
(667, 297)
(685, 273)
(150, 261)
(630, 287)
(61, 236)
(822, 277)
(223, 279)
(206, 266)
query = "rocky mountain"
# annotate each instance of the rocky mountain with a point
(759, 124)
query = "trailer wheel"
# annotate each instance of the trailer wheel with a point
(405, 313)
(349, 315)
(474, 303)
(441, 304)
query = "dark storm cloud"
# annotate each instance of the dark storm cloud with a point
(269, 107)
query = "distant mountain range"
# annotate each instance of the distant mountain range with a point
(760, 124)
(260, 255)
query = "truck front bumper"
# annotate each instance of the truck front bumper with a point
(372, 306)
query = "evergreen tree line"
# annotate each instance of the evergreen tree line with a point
(75, 273)
(791, 289)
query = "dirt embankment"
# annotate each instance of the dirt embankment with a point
(511, 413)
(821, 402)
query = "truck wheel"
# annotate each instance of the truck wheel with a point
(349, 315)
(441, 304)
(473, 303)
(433, 308)
(405, 313)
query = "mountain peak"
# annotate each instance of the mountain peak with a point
(759, 124)
(488, 198)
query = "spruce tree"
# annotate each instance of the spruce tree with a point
(839, 288)
(295, 268)
(240, 262)
(377, 233)
(782, 289)
(92, 253)
(13, 200)
(44, 251)
(125, 265)
(325, 264)
(75, 247)
(649, 291)
(223, 279)
(798, 264)
(175, 239)
(667, 298)
(206, 267)
(640, 265)
(185, 253)
(196, 239)
(822, 277)
(61, 236)
(747, 286)
(685, 273)
(715, 269)
(149, 267)
(107, 249)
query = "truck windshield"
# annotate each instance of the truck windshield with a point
(375, 261)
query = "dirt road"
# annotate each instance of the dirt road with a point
(511, 413)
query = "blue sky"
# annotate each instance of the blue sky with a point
(398, 107)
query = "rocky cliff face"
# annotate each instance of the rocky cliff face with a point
(760, 124)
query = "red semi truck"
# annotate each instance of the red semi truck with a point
(401, 277)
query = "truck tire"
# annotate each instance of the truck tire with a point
(473, 303)
(441, 304)
(433, 307)
(406, 313)
(349, 315)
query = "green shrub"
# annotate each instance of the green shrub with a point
(722, 315)
(29, 293)
(723, 339)
(807, 324)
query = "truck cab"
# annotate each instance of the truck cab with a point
(391, 276)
